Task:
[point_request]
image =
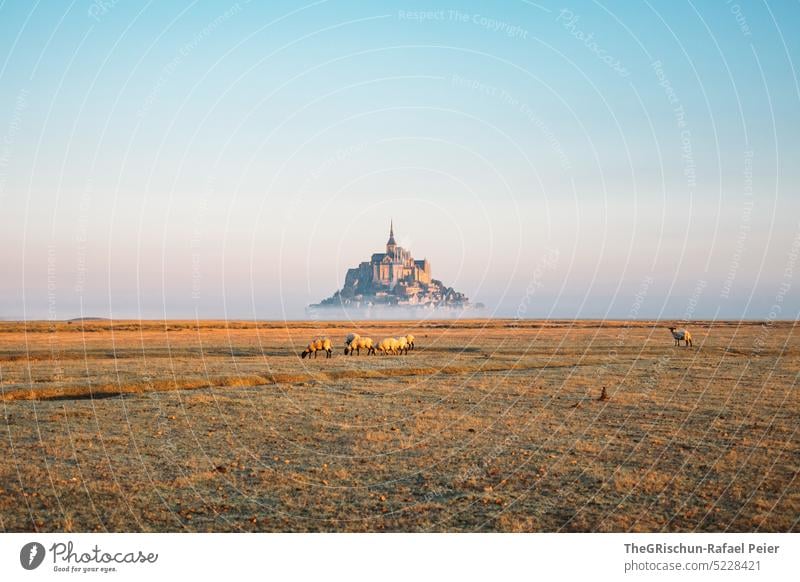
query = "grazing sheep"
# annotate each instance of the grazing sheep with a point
(402, 345)
(388, 345)
(351, 337)
(318, 344)
(357, 343)
(410, 340)
(365, 343)
(681, 335)
(384, 346)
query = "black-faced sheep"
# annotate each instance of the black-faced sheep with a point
(681, 335)
(351, 337)
(318, 344)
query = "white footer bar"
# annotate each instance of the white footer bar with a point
(401, 557)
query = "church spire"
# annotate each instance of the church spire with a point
(390, 244)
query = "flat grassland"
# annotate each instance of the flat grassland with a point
(488, 425)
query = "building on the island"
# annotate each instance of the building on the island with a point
(391, 268)
(391, 278)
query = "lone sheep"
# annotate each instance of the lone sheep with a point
(681, 335)
(318, 344)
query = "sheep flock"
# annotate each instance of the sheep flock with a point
(355, 344)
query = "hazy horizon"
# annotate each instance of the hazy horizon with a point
(551, 160)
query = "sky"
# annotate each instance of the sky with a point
(550, 159)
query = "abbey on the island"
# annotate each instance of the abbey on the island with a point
(393, 278)
(394, 266)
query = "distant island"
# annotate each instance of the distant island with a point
(394, 279)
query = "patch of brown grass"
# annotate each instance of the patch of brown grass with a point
(72, 392)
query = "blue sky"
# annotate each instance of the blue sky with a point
(570, 159)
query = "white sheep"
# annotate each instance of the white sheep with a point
(318, 344)
(402, 345)
(388, 345)
(365, 343)
(681, 335)
(355, 342)
(410, 340)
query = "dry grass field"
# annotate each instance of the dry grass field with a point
(486, 426)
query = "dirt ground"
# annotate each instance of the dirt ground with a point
(485, 426)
